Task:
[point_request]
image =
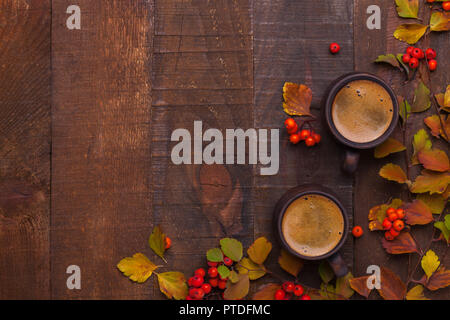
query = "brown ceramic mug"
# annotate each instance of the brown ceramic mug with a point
(361, 111)
(312, 224)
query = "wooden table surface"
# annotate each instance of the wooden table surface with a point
(86, 117)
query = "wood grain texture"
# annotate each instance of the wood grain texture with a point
(291, 40)
(24, 149)
(370, 189)
(101, 187)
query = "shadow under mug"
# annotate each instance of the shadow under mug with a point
(351, 158)
(333, 257)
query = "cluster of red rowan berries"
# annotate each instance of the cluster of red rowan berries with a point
(295, 135)
(445, 4)
(200, 286)
(289, 290)
(413, 55)
(393, 223)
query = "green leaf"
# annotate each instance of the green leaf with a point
(404, 109)
(238, 290)
(445, 231)
(157, 242)
(447, 221)
(214, 255)
(325, 272)
(223, 271)
(407, 8)
(389, 59)
(421, 100)
(232, 248)
(173, 285)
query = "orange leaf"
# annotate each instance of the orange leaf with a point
(434, 124)
(360, 286)
(418, 212)
(290, 263)
(434, 159)
(439, 279)
(393, 172)
(404, 243)
(389, 146)
(432, 182)
(440, 99)
(392, 287)
(266, 292)
(297, 99)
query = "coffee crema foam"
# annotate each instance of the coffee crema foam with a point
(313, 225)
(362, 111)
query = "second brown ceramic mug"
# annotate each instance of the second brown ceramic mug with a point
(350, 162)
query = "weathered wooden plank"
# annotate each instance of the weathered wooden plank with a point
(291, 40)
(24, 149)
(370, 189)
(101, 189)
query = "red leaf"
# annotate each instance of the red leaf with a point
(417, 212)
(392, 287)
(404, 243)
(439, 279)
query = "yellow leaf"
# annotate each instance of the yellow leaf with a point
(297, 99)
(407, 8)
(389, 146)
(410, 32)
(259, 250)
(290, 263)
(447, 97)
(393, 172)
(173, 285)
(440, 21)
(416, 293)
(247, 266)
(421, 141)
(138, 268)
(432, 182)
(430, 263)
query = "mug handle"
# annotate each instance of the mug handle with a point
(350, 161)
(338, 265)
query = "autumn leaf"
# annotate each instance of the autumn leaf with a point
(343, 287)
(447, 97)
(440, 99)
(444, 230)
(173, 285)
(266, 292)
(389, 59)
(434, 159)
(214, 255)
(290, 263)
(434, 124)
(435, 202)
(410, 32)
(223, 271)
(421, 100)
(392, 287)
(297, 99)
(389, 146)
(393, 172)
(232, 248)
(430, 262)
(417, 212)
(157, 242)
(247, 266)
(360, 286)
(404, 108)
(432, 182)
(421, 141)
(403, 243)
(234, 276)
(416, 293)
(238, 290)
(407, 8)
(259, 250)
(325, 272)
(440, 21)
(138, 268)
(439, 279)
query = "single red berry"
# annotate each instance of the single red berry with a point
(390, 210)
(432, 65)
(196, 293)
(394, 232)
(304, 134)
(212, 264)
(280, 294)
(200, 272)
(298, 290)
(418, 53)
(409, 50)
(206, 287)
(357, 231)
(212, 272)
(398, 225)
(387, 224)
(334, 47)
(305, 297)
(406, 58)
(316, 137)
(213, 282)
(446, 5)
(290, 123)
(400, 213)
(227, 261)
(167, 243)
(310, 141)
(288, 286)
(222, 284)
(293, 130)
(294, 138)
(197, 281)
(392, 217)
(430, 53)
(388, 236)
